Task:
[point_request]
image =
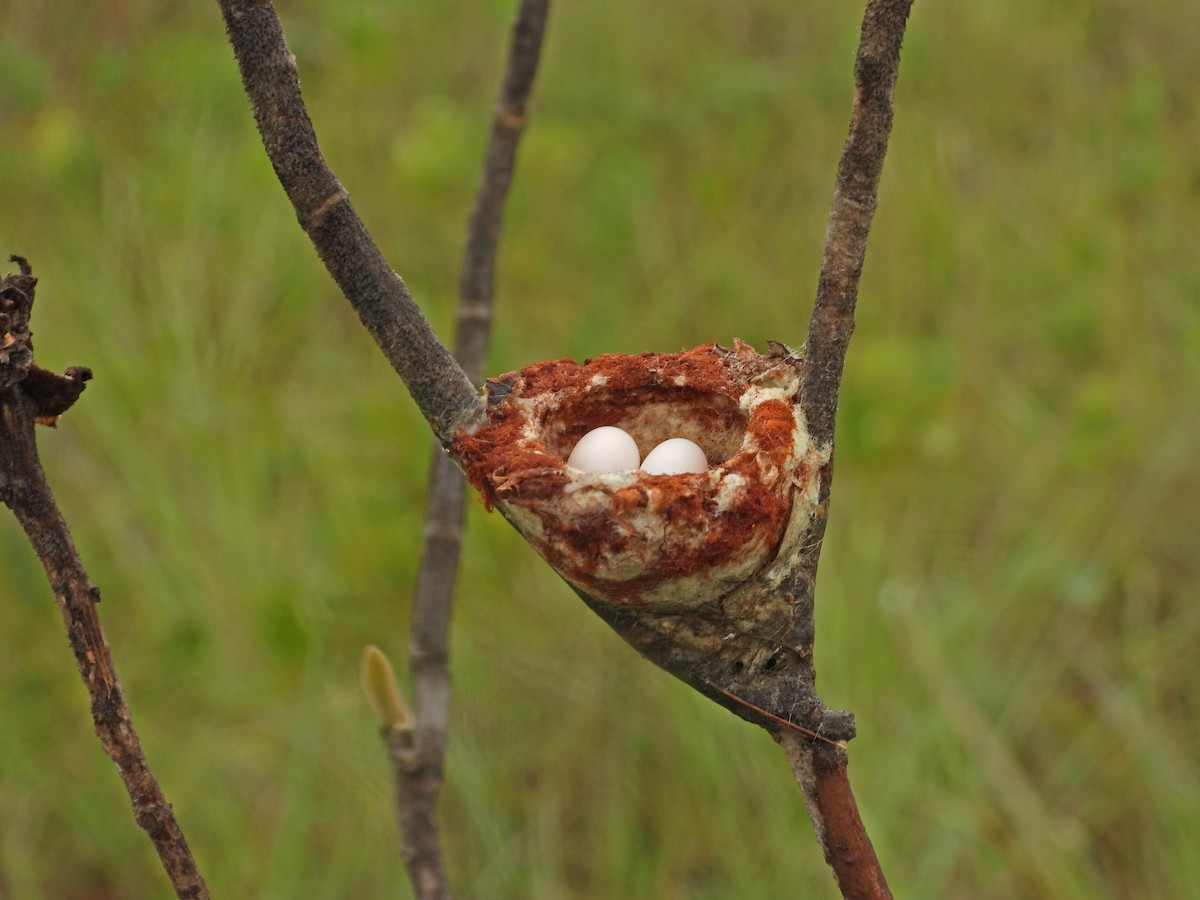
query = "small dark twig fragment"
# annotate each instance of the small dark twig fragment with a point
(16, 344)
(54, 394)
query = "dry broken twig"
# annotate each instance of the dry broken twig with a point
(28, 395)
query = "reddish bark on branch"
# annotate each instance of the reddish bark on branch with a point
(821, 772)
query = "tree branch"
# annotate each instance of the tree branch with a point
(29, 394)
(483, 230)
(820, 770)
(855, 196)
(438, 385)
(418, 757)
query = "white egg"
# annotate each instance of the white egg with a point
(605, 449)
(675, 456)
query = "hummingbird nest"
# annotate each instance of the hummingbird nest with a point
(660, 543)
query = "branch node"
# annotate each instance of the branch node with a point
(317, 214)
(510, 117)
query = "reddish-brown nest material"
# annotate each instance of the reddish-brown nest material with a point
(666, 542)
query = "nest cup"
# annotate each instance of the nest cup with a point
(665, 542)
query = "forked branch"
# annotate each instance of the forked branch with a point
(754, 657)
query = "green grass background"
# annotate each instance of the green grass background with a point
(1008, 596)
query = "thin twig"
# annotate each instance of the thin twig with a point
(441, 389)
(483, 231)
(23, 488)
(419, 785)
(854, 199)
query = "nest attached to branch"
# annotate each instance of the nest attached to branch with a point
(699, 571)
(663, 542)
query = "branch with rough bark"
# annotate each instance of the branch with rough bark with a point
(29, 395)
(821, 771)
(438, 385)
(855, 196)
